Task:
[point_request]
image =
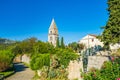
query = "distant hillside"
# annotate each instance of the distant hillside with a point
(6, 41)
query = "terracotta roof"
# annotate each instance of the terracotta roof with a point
(93, 35)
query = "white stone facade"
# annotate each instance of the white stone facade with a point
(53, 33)
(91, 41)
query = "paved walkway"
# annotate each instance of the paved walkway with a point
(22, 73)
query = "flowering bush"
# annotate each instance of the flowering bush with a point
(118, 78)
(109, 71)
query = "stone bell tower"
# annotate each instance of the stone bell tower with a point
(53, 33)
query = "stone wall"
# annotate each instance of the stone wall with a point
(74, 69)
(26, 59)
(22, 58)
(96, 61)
(17, 59)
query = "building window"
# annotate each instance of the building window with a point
(92, 40)
(50, 38)
(50, 32)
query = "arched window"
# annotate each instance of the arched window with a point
(92, 40)
(50, 32)
(50, 38)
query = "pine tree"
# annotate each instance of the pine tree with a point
(57, 43)
(111, 33)
(62, 43)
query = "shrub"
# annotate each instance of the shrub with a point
(64, 56)
(39, 60)
(6, 58)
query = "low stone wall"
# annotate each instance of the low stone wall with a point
(74, 70)
(26, 59)
(22, 58)
(96, 61)
(17, 59)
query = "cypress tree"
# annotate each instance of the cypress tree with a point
(111, 33)
(62, 43)
(57, 43)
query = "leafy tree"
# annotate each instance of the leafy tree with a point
(26, 46)
(111, 33)
(76, 47)
(73, 45)
(58, 43)
(42, 47)
(62, 43)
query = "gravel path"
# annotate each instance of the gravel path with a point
(22, 73)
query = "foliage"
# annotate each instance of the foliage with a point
(53, 66)
(64, 56)
(39, 60)
(6, 58)
(109, 71)
(62, 43)
(7, 73)
(58, 43)
(51, 73)
(111, 33)
(42, 47)
(44, 56)
(58, 74)
(117, 53)
(26, 46)
(76, 47)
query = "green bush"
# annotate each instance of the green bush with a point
(39, 60)
(64, 56)
(6, 58)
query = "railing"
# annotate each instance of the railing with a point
(1, 76)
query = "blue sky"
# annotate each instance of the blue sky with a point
(21, 19)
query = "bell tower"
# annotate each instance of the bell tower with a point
(53, 33)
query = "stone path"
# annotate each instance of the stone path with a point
(22, 73)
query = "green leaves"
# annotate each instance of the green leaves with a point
(111, 33)
(65, 56)
(62, 43)
(6, 58)
(76, 47)
(39, 60)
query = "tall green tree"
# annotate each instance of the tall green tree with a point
(58, 43)
(62, 43)
(111, 33)
(76, 47)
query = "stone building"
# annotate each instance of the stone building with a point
(91, 40)
(53, 33)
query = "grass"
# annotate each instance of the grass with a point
(36, 76)
(7, 73)
(27, 65)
